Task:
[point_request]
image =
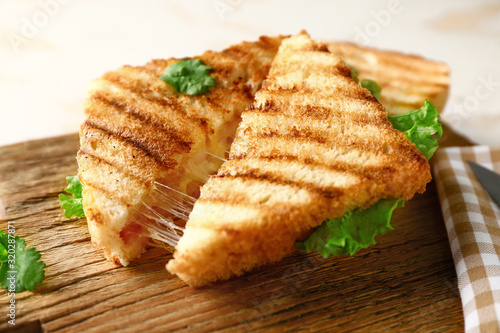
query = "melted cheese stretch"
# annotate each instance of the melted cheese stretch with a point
(163, 216)
(166, 211)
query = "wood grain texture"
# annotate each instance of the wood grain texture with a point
(405, 283)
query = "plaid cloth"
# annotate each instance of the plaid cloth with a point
(473, 224)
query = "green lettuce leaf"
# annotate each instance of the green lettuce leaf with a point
(3, 252)
(354, 74)
(373, 87)
(189, 77)
(420, 126)
(352, 232)
(22, 266)
(72, 206)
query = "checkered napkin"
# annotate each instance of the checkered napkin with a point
(473, 224)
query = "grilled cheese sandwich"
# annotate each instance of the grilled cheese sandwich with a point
(146, 150)
(312, 146)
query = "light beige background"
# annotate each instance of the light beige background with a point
(51, 49)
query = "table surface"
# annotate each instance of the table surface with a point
(405, 282)
(50, 53)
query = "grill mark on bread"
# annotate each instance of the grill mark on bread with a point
(418, 76)
(427, 81)
(141, 143)
(145, 118)
(227, 64)
(271, 100)
(319, 113)
(406, 92)
(156, 67)
(89, 181)
(279, 179)
(385, 57)
(255, 177)
(406, 80)
(363, 173)
(334, 93)
(310, 136)
(213, 103)
(344, 133)
(119, 152)
(165, 102)
(393, 74)
(404, 103)
(330, 155)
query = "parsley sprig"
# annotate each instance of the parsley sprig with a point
(72, 206)
(20, 268)
(189, 77)
(371, 85)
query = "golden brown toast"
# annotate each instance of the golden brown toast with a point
(141, 136)
(313, 146)
(406, 80)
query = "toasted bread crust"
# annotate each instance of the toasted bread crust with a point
(139, 131)
(312, 146)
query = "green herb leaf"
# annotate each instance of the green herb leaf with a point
(352, 232)
(420, 126)
(373, 87)
(189, 77)
(3, 253)
(354, 74)
(72, 206)
(19, 267)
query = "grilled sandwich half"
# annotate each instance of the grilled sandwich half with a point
(145, 149)
(313, 145)
(406, 80)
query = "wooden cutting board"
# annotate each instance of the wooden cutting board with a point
(406, 282)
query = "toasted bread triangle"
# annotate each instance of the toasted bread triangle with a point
(139, 132)
(313, 146)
